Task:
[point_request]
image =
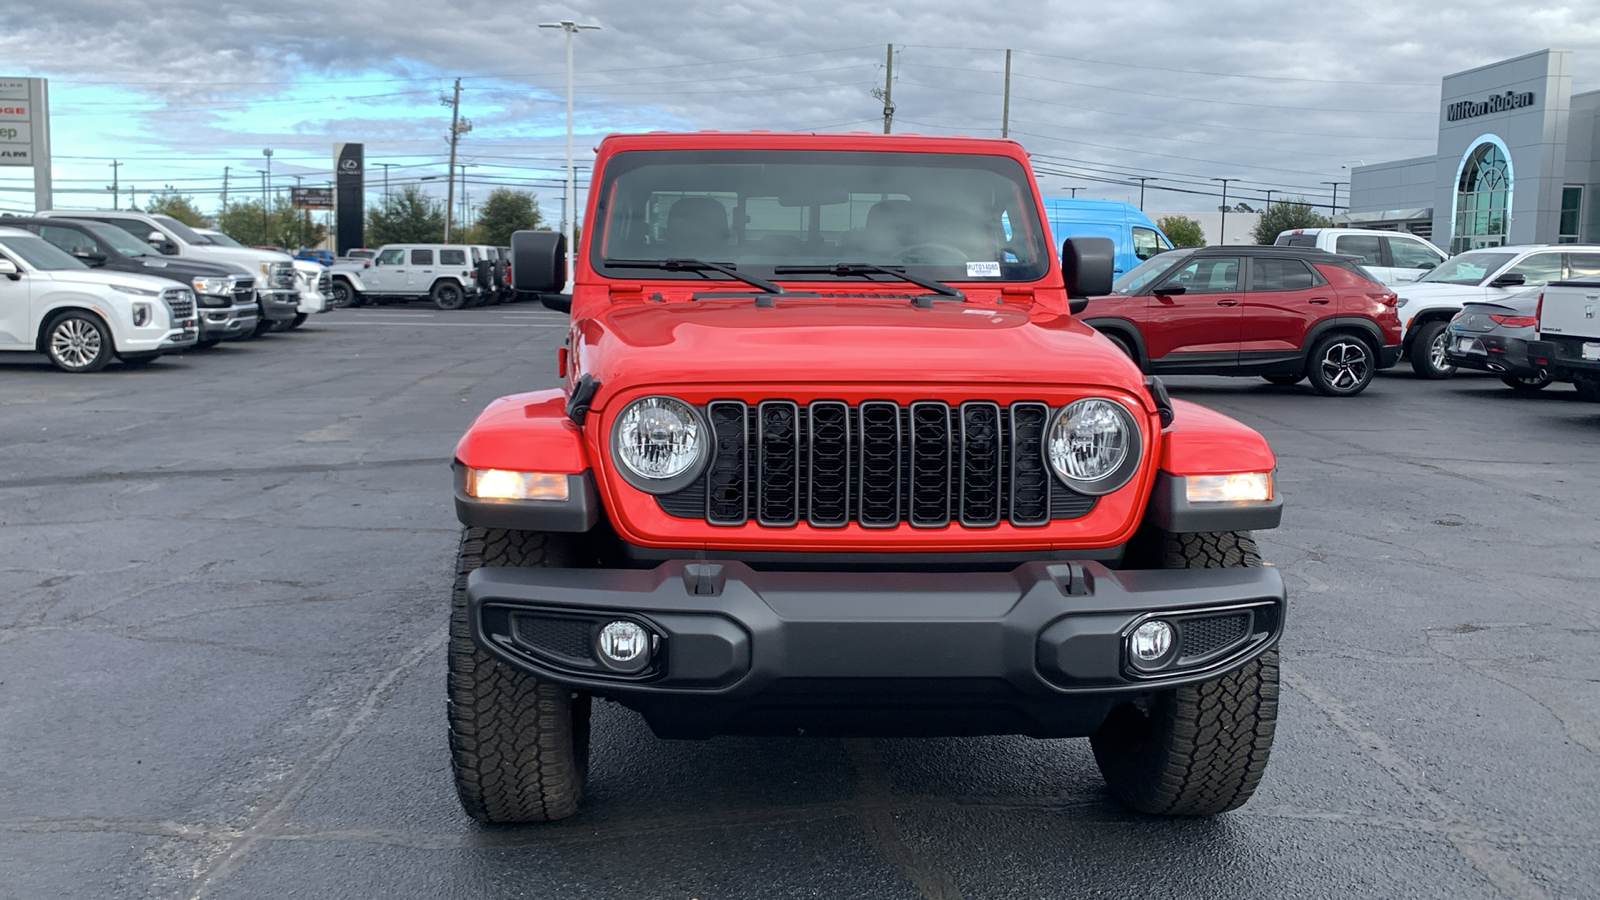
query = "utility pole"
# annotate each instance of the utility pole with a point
(1270, 192)
(268, 189)
(1142, 179)
(1334, 209)
(457, 129)
(386, 167)
(887, 93)
(571, 196)
(115, 185)
(263, 204)
(225, 190)
(1005, 106)
(1222, 232)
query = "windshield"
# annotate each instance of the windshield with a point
(39, 254)
(1468, 268)
(221, 239)
(1146, 272)
(184, 232)
(124, 243)
(950, 217)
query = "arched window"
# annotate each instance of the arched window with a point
(1483, 198)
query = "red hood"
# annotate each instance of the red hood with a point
(838, 340)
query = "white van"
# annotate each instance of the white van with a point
(1393, 257)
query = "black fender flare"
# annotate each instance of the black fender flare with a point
(1366, 327)
(1125, 329)
(1421, 319)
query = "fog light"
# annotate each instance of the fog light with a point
(624, 646)
(1250, 487)
(1150, 644)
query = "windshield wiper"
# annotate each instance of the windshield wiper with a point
(693, 265)
(899, 272)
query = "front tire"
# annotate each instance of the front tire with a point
(342, 295)
(449, 295)
(1340, 365)
(1428, 357)
(78, 342)
(1201, 749)
(519, 746)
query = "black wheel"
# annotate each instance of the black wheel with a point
(1527, 383)
(140, 361)
(1340, 365)
(449, 295)
(1284, 380)
(1124, 346)
(78, 342)
(1197, 750)
(342, 295)
(1428, 358)
(1588, 390)
(519, 746)
(298, 320)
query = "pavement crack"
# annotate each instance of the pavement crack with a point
(878, 824)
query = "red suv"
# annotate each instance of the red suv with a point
(1284, 313)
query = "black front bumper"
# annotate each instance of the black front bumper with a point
(1038, 650)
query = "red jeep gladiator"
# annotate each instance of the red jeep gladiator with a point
(834, 456)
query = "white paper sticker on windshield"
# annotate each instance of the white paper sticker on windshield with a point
(983, 270)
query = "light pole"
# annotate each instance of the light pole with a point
(1270, 192)
(571, 215)
(1222, 232)
(386, 167)
(1141, 179)
(1334, 210)
(1074, 191)
(268, 154)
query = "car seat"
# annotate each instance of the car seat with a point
(696, 227)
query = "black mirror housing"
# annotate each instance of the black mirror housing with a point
(538, 261)
(1086, 266)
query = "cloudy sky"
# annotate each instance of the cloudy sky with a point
(1279, 95)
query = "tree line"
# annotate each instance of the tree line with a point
(1282, 216)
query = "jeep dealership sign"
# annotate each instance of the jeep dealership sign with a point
(1471, 109)
(25, 131)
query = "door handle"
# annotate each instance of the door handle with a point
(1320, 301)
(1227, 303)
(399, 271)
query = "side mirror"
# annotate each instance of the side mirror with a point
(1086, 266)
(1429, 265)
(1170, 290)
(90, 257)
(538, 261)
(156, 238)
(557, 302)
(9, 270)
(1510, 279)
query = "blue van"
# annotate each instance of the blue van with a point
(1137, 238)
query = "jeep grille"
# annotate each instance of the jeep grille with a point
(878, 464)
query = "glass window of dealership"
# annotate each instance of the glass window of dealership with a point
(1517, 162)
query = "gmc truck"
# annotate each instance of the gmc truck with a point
(1568, 323)
(833, 455)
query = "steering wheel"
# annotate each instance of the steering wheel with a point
(910, 252)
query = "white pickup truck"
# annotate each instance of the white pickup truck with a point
(1569, 334)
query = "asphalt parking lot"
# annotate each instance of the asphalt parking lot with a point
(223, 591)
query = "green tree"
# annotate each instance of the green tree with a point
(281, 226)
(506, 211)
(409, 217)
(1283, 216)
(171, 203)
(1182, 231)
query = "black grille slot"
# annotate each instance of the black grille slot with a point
(1030, 480)
(1204, 636)
(778, 462)
(877, 464)
(727, 498)
(556, 635)
(980, 464)
(829, 468)
(880, 464)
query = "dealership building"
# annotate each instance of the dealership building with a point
(1518, 162)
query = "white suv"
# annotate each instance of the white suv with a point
(82, 318)
(1393, 257)
(445, 273)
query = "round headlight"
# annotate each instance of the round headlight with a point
(1093, 446)
(659, 444)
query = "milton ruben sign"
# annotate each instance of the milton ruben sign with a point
(1470, 109)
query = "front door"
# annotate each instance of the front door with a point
(387, 274)
(1197, 329)
(15, 310)
(1285, 297)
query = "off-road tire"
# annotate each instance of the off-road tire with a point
(1201, 749)
(448, 295)
(1123, 345)
(1426, 358)
(1285, 380)
(519, 745)
(342, 294)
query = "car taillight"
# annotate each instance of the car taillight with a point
(1538, 308)
(1387, 298)
(1514, 321)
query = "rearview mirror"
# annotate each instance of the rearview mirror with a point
(538, 261)
(1510, 279)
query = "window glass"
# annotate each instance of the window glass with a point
(1538, 269)
(1296, 240)
(1365, 246)
(35, 252)
(69, 239)
(1280, 275)
(1483, 196)
(1571, 212)
(1468, 268)
(421, 257)
(1583, 265)
(1409, 254)
(451, 257)
(1146, 272)
(392, 257)
(1146, 242)
(1210, 275)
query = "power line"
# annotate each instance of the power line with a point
(1127, 65)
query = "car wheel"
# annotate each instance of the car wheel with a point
(1528, 383)
(207, 344)
(449, 295)
(519, 745)
(1588, 390)
(1340, 365)
(341, 294)
(78, 342)
(1284, 380)
(298, 320)
(1429, 358)
(1123, 345)
(1200, 749)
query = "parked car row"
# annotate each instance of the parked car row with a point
(85, 287)
(453, 276)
